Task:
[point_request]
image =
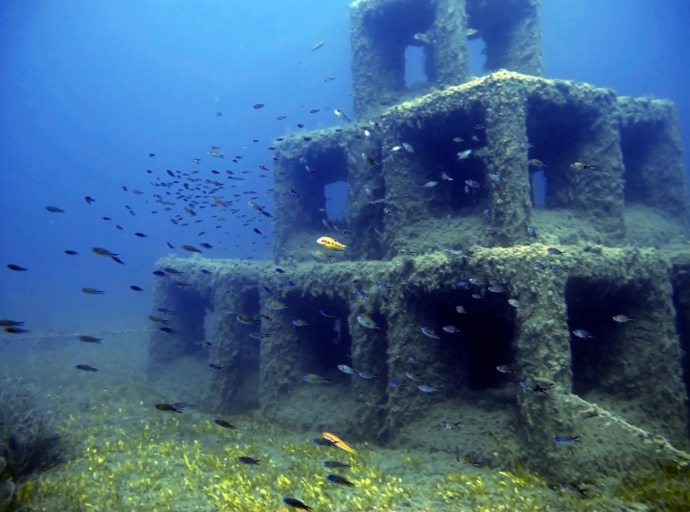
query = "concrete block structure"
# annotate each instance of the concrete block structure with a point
(415, 253)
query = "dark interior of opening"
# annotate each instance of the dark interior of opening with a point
(336, 202)
(636, 144)
(326, 341)
(329, 166)
(681, 303)
(496, 23)
(557, 134)
(591, 306)
(436, 152)
(392, 28)
(468, 359)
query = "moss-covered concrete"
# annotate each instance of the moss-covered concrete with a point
(381, 30)
(632, 372)
(566, 122)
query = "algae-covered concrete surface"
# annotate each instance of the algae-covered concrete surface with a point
(629, 374)
(487, 222)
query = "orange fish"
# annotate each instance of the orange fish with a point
(338, 442)
(328, 242)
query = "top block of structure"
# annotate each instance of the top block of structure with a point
(381, 30)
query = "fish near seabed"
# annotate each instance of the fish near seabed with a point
(338, 442)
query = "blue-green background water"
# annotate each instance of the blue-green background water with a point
(88, 89)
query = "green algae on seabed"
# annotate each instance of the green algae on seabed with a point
(130, 457)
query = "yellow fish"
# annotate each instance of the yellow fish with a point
(329, 243)
(338, 442)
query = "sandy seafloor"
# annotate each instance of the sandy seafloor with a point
(121, 454)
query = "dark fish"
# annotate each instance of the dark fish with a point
(257, 106)
(204, 271)
(117, 226)
(322, 441)
(71, 253)
(168, 407)
(300, 125)
(170, 245)
(107, 218)
(190, 248)
(165, 311)
(334, 464)
(54, 209)
(140, 235)
(294, 502)
(89, 199)
(10, 323)
(169, 330)
(216, 366)
(151, 155)
(206, 245)
(159, 273)
(89, 339)
(12, 266)
(337, 479)
(102, 252)
(170, 173)
(86, 368)
(136, 288)
(280, 271)
(15, 330)
(117, 260)
(92, 291)
(224, 424)
(247, 460)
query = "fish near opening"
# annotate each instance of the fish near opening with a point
(557, 137)
(318, 175)
(482, 339)
(326, 341)
(393, 30)
(448, 152)
(597, 362)
(336, 202)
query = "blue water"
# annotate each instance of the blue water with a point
(89, 89)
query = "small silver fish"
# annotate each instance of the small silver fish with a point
(622, 319)
(408, 147)
(430, 333)
(516, 303)
(451, 329)
(460, 310)
(430, 184)
(427, 389)
(463, 155)
(346, 369)
(581, 333)
(366, 321)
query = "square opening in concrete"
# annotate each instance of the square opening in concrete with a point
(597, 362)
(415, 66)
(436, 153)
(558, 133)
(639, 143)
(325, 342)
(308, 191)
(467, 358)
(390, 29)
